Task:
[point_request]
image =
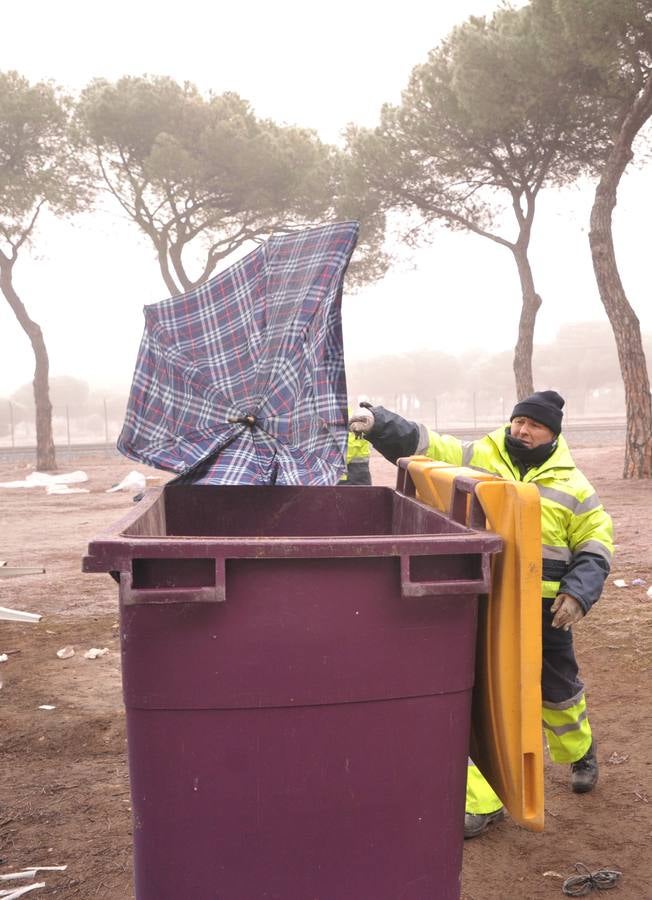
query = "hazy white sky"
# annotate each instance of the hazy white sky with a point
(318, 66)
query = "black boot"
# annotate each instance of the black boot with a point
(477, 823)
(584, 772)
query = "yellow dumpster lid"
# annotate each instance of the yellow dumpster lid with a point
(506, 741)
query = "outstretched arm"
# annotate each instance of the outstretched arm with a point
(389, 433)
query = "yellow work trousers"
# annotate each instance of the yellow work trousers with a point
(568, 736)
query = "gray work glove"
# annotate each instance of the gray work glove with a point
(362, 422)
(567, 610)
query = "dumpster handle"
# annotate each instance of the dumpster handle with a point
(214, 593)
(404, 483)
(464, 487)
(412, 588)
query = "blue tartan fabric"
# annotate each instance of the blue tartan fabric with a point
(241, 380)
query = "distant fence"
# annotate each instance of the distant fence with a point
(90, 423)
(94, 428)
(484, 410)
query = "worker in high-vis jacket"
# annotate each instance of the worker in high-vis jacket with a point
(358, 453)
(577, 547)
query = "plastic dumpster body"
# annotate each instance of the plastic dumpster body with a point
(297, 669)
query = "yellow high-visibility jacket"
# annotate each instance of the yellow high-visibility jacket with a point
(357, 448)
(358, 452)
(574, 523)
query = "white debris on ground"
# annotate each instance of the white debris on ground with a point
(31, 872)
(15, 893)
(133, 481)
(635, 583)
(17, 615)
(96, 652)
(44, 479)
(64, 489)
(66, 652)
(617, 759)
(17, 571)
(47, 706)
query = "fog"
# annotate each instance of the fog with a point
(85, 281)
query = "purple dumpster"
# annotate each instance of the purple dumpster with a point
(297, 668)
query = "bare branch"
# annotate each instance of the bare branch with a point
(443, 213)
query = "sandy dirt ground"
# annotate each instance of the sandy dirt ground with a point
(64, 791)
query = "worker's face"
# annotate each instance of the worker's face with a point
(532, 433)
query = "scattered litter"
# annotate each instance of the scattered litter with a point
(47, 706)
(15, 893)
(551, 874)
(43, 479)
(617, 759)
(94, 652)
(32, 872)
(641, 795)
(17, 615)
(17, 484)
(12, 571)
(648, 593)
(133, 481)
(66, 652)
(3, 657)
(620, 582)
(584, 882)
(639, 581)
(64, 489)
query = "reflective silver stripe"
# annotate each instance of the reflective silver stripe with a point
(592, 502)
(424, 441)
(570, 502)
(560, 497)
(597, 548)
(565, 704)
(564, 729)
(468, 448)
(551, 552)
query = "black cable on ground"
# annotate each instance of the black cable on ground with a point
(584, 882)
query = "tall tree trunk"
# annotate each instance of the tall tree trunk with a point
(164, 266)
(624, 322)
(529, 309)
(45, 454)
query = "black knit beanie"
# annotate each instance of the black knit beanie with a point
(544, 407)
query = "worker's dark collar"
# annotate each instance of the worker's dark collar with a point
(525, 457)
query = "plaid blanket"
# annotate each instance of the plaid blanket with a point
(241, 380)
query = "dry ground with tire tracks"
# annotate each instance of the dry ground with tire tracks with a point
(64, 796)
